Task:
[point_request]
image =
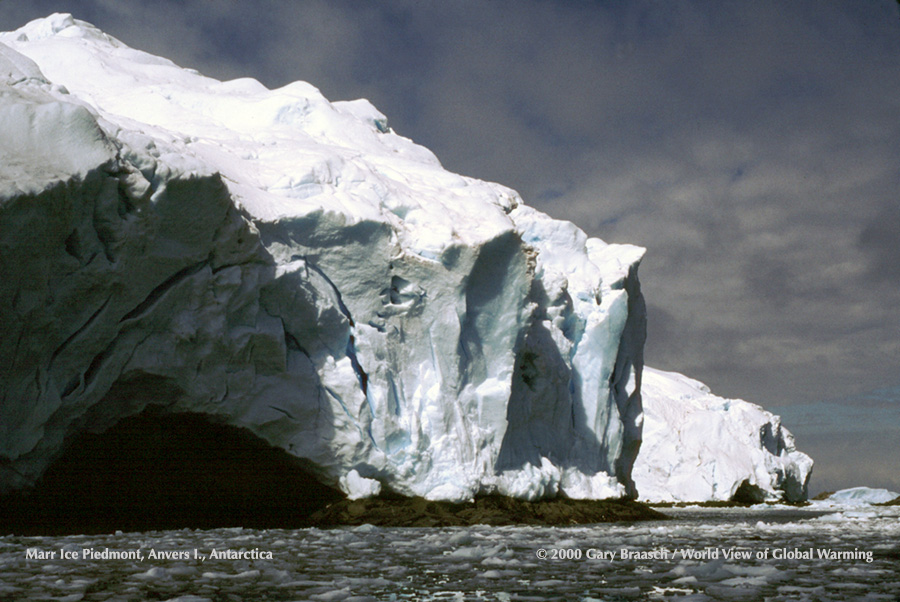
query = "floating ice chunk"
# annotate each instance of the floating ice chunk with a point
(846, 517)
(862, 495)
(153, 574)
(243, 575)
(470, 552)
(460, 538)
(332, 596)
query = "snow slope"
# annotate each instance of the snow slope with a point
(292, 266)
(700, 447)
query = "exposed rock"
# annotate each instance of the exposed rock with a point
(488, 510)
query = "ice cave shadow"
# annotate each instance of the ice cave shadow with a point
(156, 470)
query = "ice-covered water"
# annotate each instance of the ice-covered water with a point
(773, 554)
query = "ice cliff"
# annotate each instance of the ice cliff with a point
(293, 267)
(700, 447)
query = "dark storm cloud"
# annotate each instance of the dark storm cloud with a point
(751, 147)
(880, 241)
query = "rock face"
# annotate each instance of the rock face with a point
(700, 447)
(293, 267)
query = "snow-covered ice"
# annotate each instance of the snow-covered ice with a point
(294, 267)
(698, 446)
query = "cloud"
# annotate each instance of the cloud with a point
(843, 461)
(879, 240)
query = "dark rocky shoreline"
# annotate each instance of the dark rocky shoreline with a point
(395, 511)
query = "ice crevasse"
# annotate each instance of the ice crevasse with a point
(293, 267)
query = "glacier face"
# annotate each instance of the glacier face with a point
(700, 447)
(293, 267)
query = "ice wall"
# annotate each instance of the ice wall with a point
(700, 447)
(293, 267)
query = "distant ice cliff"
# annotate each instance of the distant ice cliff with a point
(698, 446)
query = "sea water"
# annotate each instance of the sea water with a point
(769, 554)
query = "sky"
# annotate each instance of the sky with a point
(752, 147)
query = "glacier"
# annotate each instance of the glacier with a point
(701, 447)
(293, 267)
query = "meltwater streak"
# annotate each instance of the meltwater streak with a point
(858, 561)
